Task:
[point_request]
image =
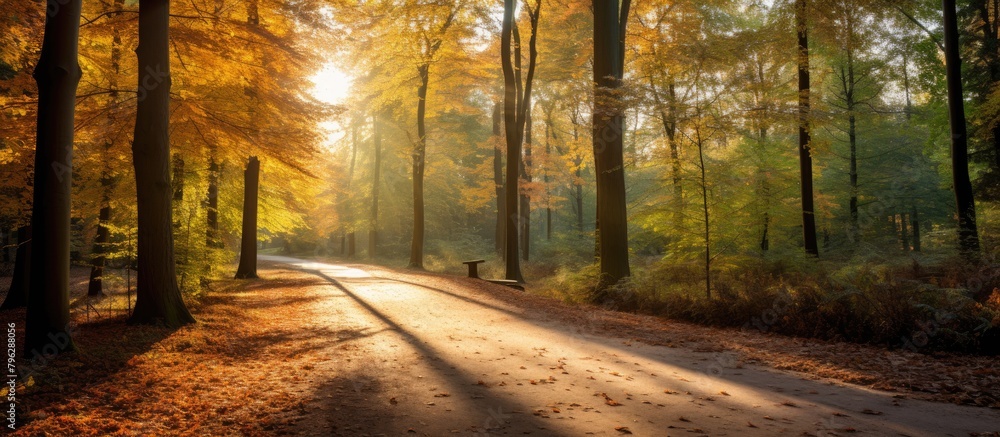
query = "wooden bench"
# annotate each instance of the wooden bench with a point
(474, 267)
(474, 273)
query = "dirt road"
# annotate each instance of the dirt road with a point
(416, 356)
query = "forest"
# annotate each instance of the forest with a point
(817, 169)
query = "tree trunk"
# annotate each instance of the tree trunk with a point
(904, 232)
(608, 132)
(805, 157)
(847, 82)
(703, 182)
(510, 101)
(212, 210)
(549, 133)
(525, 206)
(915, 220)
(158, 299)
(765, 242)
(419, 152)
(57, 75)
(248, 246)
(968, 235)
(351, 246)
(498, 181)
(17, 294)
(96, 285)
(523, 120)
(765, 191)
(578, 173)
(177, 184)
(376, 181)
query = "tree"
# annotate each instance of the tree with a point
(248, 247)
(212, 200)
(805, 153)
(608, 136)
(348, 213)
(158, 299)
(376, 181)
(57, 75)
(103, 239)
(429, 44)
(968, 235)
(498, 178)
(517, 96)
(524, 123)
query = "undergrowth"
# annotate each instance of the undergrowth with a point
(949, 306)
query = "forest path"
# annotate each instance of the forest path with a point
(420, 354)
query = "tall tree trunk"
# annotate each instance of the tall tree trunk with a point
(968, 235)
(703, 183)
(96, 285)
(498, 181)
(17, 294)
(578, 173)
(763, 174)
(419, 152)
(525, 206)
(915, 221)
(549, 133)
(523, 119)
(513, 137)
(248, 247)
(158, 299)
(612, 221)
(376, 182)
(177, 183)
(351, 246)
(847, 86)
(805, 156)
(212, 210)
(57, 75)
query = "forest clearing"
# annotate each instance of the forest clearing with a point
(720, 217)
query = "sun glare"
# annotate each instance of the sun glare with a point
(331, 85)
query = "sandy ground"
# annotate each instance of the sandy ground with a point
(426, 357)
